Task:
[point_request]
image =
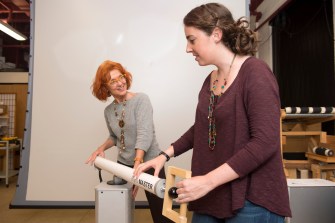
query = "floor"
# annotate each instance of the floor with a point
(53, 215)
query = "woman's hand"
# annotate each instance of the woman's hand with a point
(100, 151)
(156, 163)
(193, 188)
(135, 188)
(196, 187)
(92, 157)
(134, 192)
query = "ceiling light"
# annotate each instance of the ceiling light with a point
(4, 27)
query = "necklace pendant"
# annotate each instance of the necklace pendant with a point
(121, 123)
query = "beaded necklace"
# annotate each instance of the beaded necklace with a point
(121, 123)
(225, 79)
(212, 102)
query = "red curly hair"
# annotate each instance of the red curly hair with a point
(100, 87)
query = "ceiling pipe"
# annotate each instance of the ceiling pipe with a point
(14, 46)
(23, 5)
(14, 11)
(9, 11)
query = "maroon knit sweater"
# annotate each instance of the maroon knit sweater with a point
(248, 139)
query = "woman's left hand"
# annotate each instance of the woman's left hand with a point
(193, 188)
(135, 188)
(134, 192)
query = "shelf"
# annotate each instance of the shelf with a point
(306, 118)
(326, 159)
(301, 133)
(302, 164)
(11, 173)
(322, 135)
(11, 146)
(8, 169)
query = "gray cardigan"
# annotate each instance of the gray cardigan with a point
(139, 128)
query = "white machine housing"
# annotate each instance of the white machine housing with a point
(113, 203)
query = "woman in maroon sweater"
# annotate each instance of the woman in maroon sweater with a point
(237, 169)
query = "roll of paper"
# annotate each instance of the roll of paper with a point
(146, 181)
(323, 151)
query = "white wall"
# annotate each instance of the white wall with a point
(70, 40)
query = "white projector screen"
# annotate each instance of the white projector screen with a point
(65, 122)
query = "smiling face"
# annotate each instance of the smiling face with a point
(200, 45)
(117, 84)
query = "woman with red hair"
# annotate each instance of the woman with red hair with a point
(129, 119)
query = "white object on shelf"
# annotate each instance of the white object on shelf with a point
(4, 125)
(8, 168)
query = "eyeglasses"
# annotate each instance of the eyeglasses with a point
(121, 78)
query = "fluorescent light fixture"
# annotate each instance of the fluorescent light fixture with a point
(4, 27)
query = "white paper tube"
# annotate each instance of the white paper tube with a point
(146, 181)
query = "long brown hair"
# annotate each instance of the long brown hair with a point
(100, 88)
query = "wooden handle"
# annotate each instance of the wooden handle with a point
(168, 200)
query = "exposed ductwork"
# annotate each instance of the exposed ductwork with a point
(15, 11)
(23, 5)
(17, 14)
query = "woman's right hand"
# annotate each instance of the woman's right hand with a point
(92, 157)
(100, 150)
(156, 163)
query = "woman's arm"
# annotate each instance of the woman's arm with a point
(197, 187)
(139, 155)
(144, 123)
(156, 163)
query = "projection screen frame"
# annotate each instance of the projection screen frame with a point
(19, 199)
